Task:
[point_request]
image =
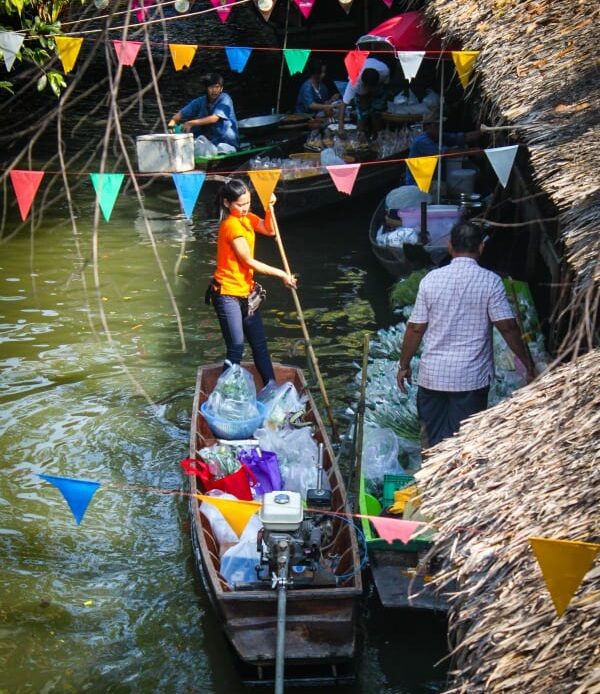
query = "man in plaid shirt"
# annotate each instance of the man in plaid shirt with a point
(455, 310)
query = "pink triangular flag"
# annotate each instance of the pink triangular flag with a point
(344, 175)
(26, 184)
(354, 62)
(388, 3)
(223, 8)
(390, 529)
(305, 6)
(127, 51)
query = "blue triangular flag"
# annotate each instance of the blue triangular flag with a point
(188, 188)
(107, 188)
(77, 493)
(237, 57)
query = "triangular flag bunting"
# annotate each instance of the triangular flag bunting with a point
(237, 57)
(107, 188)
(464, 61)
(388, 3)
(344, 175)
(264, 182)
(305, 6)
(223, 8)
(182, 54)
(341, 85)
(127, 51)
(26, 184)
(354, 62)
(140, 8)
(10, 45)
(564, 565)
(296, 58)
(502, 160)
(188, 187)
(77, 493)
(422, 169)
(237, 513)
(390, 529)
(265, 7)
(68, 48)
(410, 62)
(346, 5)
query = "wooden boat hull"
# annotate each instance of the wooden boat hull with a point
(320, 624)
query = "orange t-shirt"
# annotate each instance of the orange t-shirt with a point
(236, 278)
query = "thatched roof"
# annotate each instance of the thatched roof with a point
(538, 67)
(528, 467)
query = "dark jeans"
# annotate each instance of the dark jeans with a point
(232, 312)
(442, 412)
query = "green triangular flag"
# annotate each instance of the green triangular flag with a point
(296, 58)
(107, 188)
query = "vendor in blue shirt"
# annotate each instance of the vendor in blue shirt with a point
(211, 115)
(427, 143)
(313, 96)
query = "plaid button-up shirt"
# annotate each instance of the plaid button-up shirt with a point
(459, 303)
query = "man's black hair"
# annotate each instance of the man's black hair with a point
(314, 67)
(466, 237)
(370, 77)
(213, 78)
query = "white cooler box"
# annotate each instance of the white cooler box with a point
(162, 153)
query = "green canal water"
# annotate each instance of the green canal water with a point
(114, 605)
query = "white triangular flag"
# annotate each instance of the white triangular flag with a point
(10, 45)
(502, 160)
(410, 62)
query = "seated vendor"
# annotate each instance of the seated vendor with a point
(211, 115)
(427, 143)
(367, 95)
(313, 96)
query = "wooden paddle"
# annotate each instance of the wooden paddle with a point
(309, 346)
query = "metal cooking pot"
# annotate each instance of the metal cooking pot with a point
(260, 123)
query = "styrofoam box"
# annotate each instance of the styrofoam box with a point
(165, 153)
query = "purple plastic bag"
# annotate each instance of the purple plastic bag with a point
(265, 467)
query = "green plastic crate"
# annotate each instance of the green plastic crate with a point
(392, 483)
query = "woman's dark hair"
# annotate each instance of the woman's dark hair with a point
(315, 67)
(466, 237)
(233, 189)
(213, 78)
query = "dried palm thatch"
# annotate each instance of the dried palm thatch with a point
(538, 68)
(528, 467)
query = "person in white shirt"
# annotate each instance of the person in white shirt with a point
(367, 95)
(455, 309)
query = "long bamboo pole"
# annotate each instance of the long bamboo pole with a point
(285, 38)
(360, 415)
(309, 347)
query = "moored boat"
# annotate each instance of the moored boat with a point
(320, 622)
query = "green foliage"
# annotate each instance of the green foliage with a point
(404, 292)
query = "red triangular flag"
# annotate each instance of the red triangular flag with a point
(26, 184)
(354, 62)
(390, 529)
(344, 175)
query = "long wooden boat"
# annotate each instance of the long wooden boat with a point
(320, 626)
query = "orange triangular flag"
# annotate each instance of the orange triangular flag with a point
(236, 513)
(264, 182)
(422, 169)
(26, 184)
(182, 54)
(68, 48)
(464, 61)
(564, 564)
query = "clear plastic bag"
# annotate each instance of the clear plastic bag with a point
(225, 148)
(238, 562)
(380, 454)
(222, 531)
(234, 396)
(203, 147)
(330, 158)
(280, 401)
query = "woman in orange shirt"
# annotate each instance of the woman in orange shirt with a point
(233, 280)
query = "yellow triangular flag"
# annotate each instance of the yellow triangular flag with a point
(264, 182)
(563, 564)
(464, 61)
(236, 513)
(182, 54)
(68, 48)
(422, 169)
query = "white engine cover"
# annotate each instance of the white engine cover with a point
(281, 511)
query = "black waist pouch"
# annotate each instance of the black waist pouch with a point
(213, 289)
(255, 298)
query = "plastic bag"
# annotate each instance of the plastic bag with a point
(330, 158)
(222, 531)
(297, 454)
(225, 148)
(234, 396)
(238, 483)
(280, 401)
(265, 467)
(405, 196)
(238, 562)
(380, 454)
(203, 147)
(431, 100)
(221, 460)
